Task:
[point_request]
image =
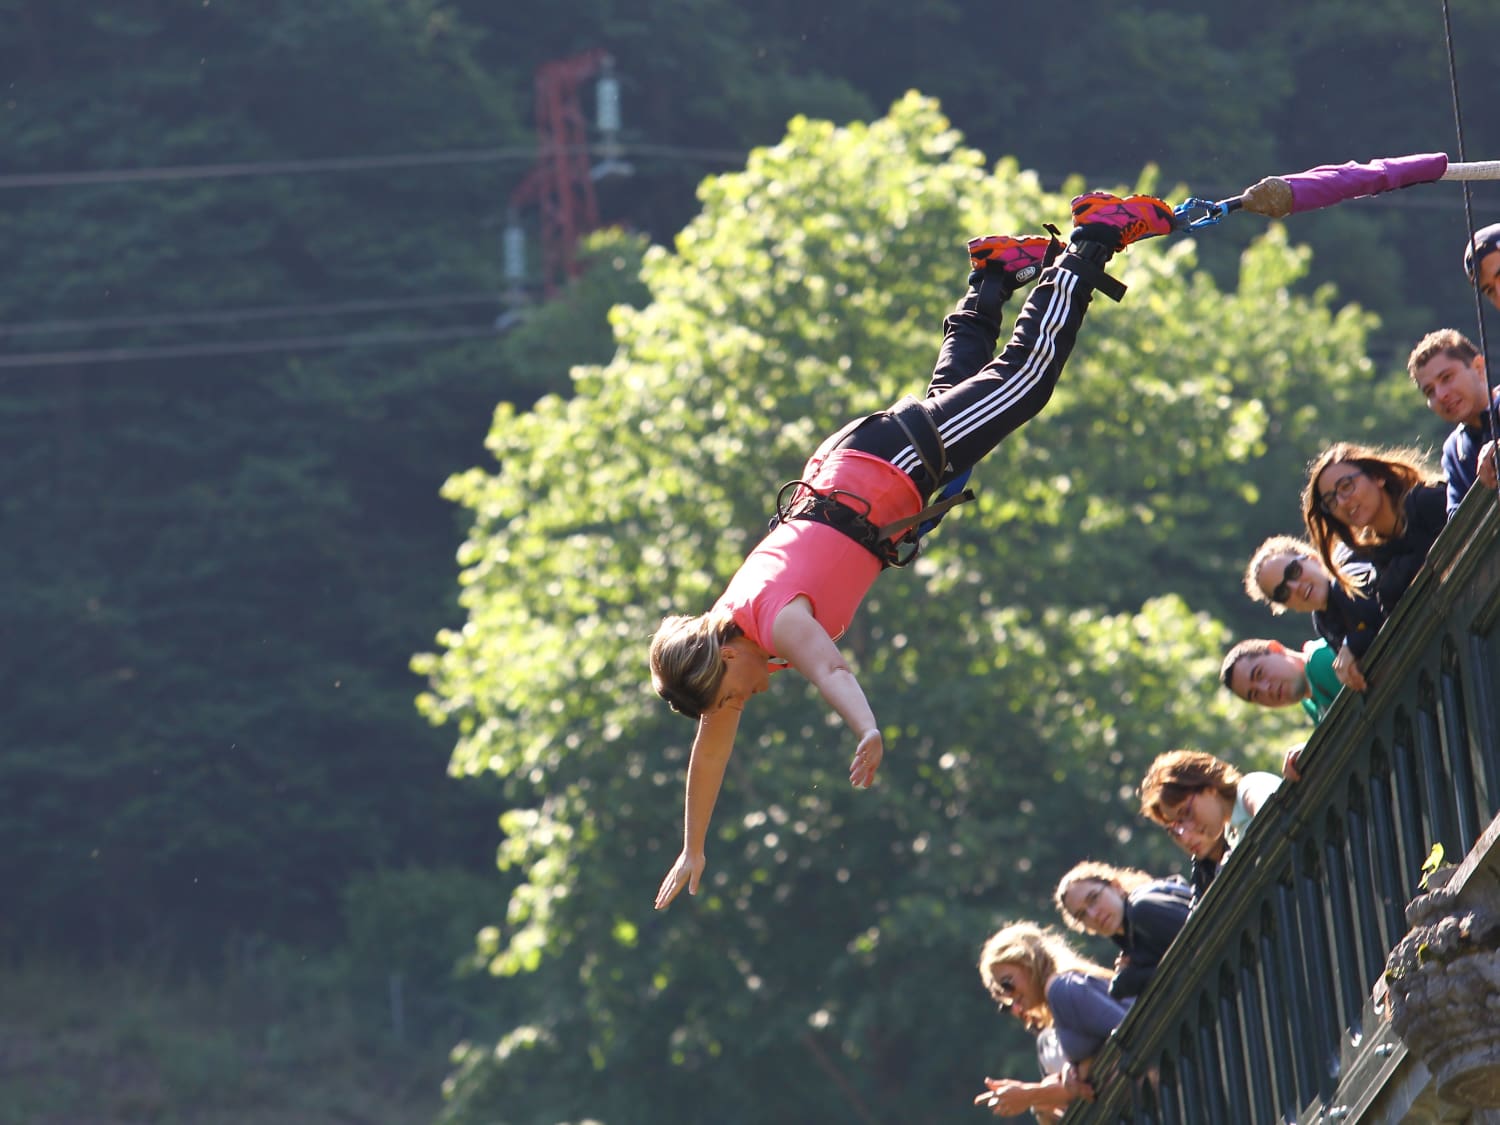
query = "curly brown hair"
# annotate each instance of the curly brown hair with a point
(1126, 879)
(1176, 775)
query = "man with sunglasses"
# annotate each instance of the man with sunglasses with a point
(1287, 574)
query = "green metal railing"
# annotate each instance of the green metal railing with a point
(1263, 1010)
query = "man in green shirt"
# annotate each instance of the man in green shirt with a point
(1269, 674)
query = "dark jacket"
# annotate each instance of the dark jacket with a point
(1083, 1013)
(1153, 916)
(1461, 455)
(1354, 618)
(1203, 874)
(1396, 562)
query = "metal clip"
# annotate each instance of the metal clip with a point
(1191, 214)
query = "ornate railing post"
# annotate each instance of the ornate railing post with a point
(1443, 978)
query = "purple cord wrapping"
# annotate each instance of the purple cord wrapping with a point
(1333, 183)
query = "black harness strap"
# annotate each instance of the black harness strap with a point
(882, 541)
(933, 511)
(849, 513)
(1094, 274)
(933, 453)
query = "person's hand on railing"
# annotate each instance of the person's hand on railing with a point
(1289, 768)
(1346, 668)
(1075, 1079)
(1486, 466)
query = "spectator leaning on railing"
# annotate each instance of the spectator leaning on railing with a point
(1034, 973)
(1203, 802)
(1449, 371)
(1138, 912)
(1286, 573)
(1386, 506)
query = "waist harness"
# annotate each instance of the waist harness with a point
(849, 513)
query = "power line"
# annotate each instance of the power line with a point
(250, 313)
(248, 347)
(265, 168)
(451, 157)
(257, 168)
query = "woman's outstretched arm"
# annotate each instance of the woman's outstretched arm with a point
(801, 640)
(712, 744)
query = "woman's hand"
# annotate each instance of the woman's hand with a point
(867, 759)
(685, 872)
(1075, 1079)
(1346, 668)
(799, 638)
(1006, 1097)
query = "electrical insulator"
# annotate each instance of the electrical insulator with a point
(607, 101)
(514, 253)
(607, 118)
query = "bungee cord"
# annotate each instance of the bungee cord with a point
(1458, 127)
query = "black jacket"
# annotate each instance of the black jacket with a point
(1153, 916)
(1354, 618)
(1397, 562)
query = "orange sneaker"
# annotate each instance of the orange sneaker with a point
(1133, 218)
(1017, 260)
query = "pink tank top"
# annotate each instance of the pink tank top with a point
(806, 558)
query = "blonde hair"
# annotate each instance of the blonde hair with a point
(1125, 879)
(1178, 774)
(1041, 953)
(687, 663)
(1276, 545)
(1396, 469)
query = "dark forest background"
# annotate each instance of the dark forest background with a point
(234, 380)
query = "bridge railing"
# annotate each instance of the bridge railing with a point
(1267, 1008)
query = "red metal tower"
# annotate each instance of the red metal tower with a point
(561, 183)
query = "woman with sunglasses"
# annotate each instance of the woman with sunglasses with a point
(1286, 573)
(1204, 803)
(1139, 913)
(1385, 506)
(1034, 973)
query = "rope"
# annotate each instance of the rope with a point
(1475, 170)
(1458, 122)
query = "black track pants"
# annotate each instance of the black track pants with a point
(977, 401)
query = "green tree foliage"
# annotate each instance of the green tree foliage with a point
(226, 559)
(219, 564)
(800, 983)
(1217, 96)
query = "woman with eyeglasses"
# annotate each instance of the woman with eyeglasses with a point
(1386, 506)
(1138, 912)
(1286, 573)
(1205, 804)
(1034, 973)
